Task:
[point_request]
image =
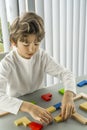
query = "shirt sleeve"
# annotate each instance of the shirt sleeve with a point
(8, 104)
(59, 71)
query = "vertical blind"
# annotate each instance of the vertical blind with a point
(65, 23)
(66, 30)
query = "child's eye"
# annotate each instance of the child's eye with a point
(25, 44)
(36, 44)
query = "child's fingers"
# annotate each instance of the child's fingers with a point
(67, 111)
(49, 116)
(45, 117)
(63, 109)
(45, 120)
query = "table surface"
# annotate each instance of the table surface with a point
(7, 121)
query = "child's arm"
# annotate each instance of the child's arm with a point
(59, 71)
(68, 106)
(37, 112)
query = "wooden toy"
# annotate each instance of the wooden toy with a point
(57, 106)
(82, 83)
(79, 118)
(22, 121)
(35, 126)
(61, 91)
(83, 106)
(2, 113)
(58, 118)
(47, 96)
(33, 102)
(51, 109)
(80, 95)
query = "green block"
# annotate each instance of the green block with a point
(61, 91)
(33, 102)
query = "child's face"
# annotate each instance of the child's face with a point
(27, 50)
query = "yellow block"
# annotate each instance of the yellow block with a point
(24, 120)
(58, 118)
(51, 109)
(83, 106)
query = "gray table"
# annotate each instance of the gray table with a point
(7, 122)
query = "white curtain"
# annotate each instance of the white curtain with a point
(66, 30)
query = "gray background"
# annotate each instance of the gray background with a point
(7, 122)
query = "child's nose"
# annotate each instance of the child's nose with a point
(31, 48)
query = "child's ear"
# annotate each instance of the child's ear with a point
(13, 44)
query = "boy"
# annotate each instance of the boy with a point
(22, 70)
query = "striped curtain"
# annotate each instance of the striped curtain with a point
(66, 30)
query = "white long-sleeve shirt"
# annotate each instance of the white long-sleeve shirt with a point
(19, 76)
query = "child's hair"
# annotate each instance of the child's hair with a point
(29, 23)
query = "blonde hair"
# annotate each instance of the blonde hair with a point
(29, 23)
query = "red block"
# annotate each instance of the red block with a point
(35, 126)
(47, 97)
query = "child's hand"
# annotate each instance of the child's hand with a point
(68, 106)
(38, 113)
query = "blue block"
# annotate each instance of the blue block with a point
(82, 83)
(57, 106)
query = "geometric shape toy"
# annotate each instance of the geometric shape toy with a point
(79, 118)
(82, 83)
(47, 96)
(22, 121)
(51, 109)
(57, 106)
(58, 118)
(61, 91)
(3, 113)
(83, 106)
(35, 126)
(80, 95)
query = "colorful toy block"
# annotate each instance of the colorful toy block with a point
(79, 118)
(2, 113)
(35, 126)
(58, 118)
(51, 109)
(33, 102)
(47, 96)
(83, 106)
(61, 91)
(80, 95)
(57, 106)
(82, 83)
(22, 121)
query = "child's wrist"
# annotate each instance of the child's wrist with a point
(69, 94)
(25, 107)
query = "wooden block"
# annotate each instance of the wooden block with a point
(51, 109)
(82, 83)
(78, 96)
(33, 102)
(22, 121)
(47, 96)
(58, 118)
(61, 91)
(57, 106)
(83, 106)
(35, 126)
(3, 113)
(79, 118)
(84, 95)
